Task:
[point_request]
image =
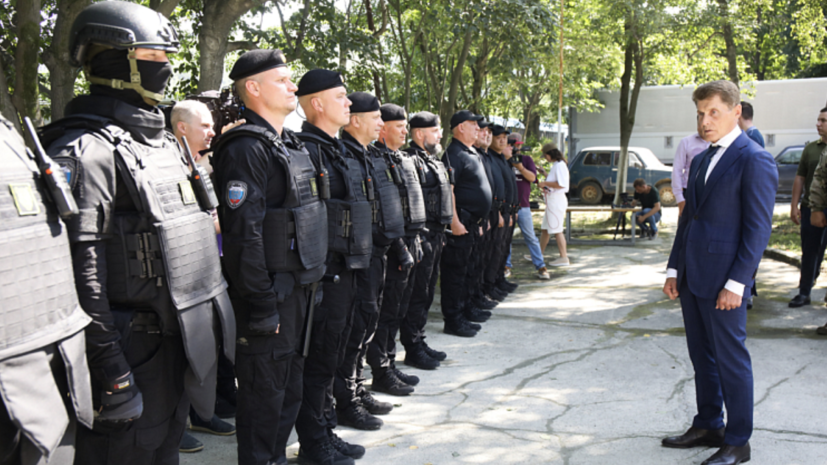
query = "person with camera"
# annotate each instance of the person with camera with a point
(143, 272)
(274, 226)
(436, 190)
(526, 172)
(323, 99)
(555, 187)
(472, 205)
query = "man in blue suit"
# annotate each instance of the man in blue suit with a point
(720, 239)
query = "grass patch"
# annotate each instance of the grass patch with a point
(786, 235)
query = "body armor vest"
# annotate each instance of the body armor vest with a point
(348, 219)
(410, 192)
(164, 251)
(295, 235)
(38, 303)
(387, 207)
(439, 203)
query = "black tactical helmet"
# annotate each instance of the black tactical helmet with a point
(120, 25)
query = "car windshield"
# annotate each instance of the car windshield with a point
(791, 156)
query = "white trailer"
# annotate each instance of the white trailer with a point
(785, 113)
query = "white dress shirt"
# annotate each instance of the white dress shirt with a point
(722, 144)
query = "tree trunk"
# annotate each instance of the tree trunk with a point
(731, 50)
(6, 107)
(479, 71)
(219, 18)
(632, 58)
(449, 106)
(62, 74)
(26, 97)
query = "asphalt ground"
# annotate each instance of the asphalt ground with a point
(591, 367)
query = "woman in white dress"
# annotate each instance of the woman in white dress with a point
(555, 187)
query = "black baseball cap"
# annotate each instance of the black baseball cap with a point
(463, 116)
(498, 130)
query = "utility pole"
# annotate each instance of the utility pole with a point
(560, 100)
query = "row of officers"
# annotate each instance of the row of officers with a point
(117, 303)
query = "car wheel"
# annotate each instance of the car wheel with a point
(667, 197)
(591, 193)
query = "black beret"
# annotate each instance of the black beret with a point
(363, 102)
(498, 130)
(392, 112)
(257, 61)
(317, 80)
(463, 116)
(424, 119)
(483, 123)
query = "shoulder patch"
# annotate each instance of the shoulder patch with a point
(70, 170)
(236, 193)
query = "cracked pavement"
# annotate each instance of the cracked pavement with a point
(591, 367)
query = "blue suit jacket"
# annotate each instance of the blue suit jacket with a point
(723, 234)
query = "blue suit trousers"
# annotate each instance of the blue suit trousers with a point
(723, 369)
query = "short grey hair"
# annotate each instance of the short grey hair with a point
(186, 110)
(726, 90)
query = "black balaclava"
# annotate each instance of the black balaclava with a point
(114, 64)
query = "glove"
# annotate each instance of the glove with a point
(121, 402)
(406, 260)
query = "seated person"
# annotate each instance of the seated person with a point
(649, 200)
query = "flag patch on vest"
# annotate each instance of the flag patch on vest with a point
(24, 199)
(70, 169)
(236, 193)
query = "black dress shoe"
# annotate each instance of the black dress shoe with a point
(729, 455)
(215, 426)
(800, 301)
(695, 437)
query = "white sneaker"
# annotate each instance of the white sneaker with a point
(560, 262)
(507, 272)
(542, 273)
(527, 257)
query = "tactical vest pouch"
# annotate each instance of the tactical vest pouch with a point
(193, 269)
(296, 238)
(135, 267)
(349, 227)
(392, 220)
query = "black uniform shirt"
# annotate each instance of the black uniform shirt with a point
(332, 149)
(472, 190)
(248, 165)
(496, 179)
(509, 181)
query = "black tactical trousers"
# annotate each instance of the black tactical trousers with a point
(369, 291)
(16, 448)
(331, 328)
(269, 371)
(423, 287)
(455, 267)
(507, 240)
(473, 278)
(496, 257)
(382, 349)
(158, 363)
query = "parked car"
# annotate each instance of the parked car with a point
(787, 163)
(593, 173)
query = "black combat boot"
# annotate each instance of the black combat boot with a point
(410, 380)
(460, 327)
(433, 353)
(476, 315)
(373, 405)
(345, 448)
(356, 416)
(386, 381)
(323, 453)
(416, 357)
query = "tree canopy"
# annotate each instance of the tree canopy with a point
(496, 57)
